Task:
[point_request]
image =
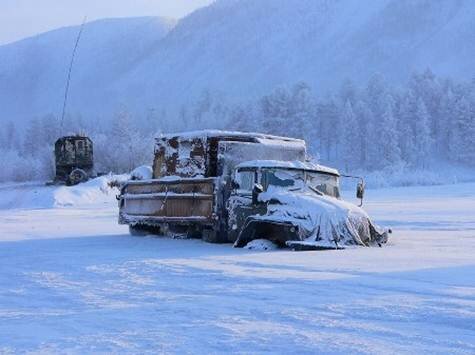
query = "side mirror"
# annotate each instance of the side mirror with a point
(235, 185)
(256, 190)
(360, 191)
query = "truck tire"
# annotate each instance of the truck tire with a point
(138, 231)
(77, 176)
(219, 236)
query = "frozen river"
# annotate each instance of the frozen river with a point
(73, 281)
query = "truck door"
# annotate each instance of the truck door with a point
(240, 204)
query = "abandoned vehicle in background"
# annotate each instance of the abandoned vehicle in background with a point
(74, 160)
(232, 187)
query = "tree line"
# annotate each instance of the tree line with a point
(368, 127)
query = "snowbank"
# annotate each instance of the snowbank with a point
(400, 176)
(261, 244)
(143, 172)
(38, 195)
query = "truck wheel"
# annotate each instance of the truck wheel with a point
(76, 177)
(138, 231)
(209, 235)
(215, 236)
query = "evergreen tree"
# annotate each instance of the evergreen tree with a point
(470, 137)
(376, 94)
(364, 118)
(348, 92)
(387, 144)
(422, 136)
(201, 108)
(406, 124)
(276, 111)
(301, 110)
(9, 139)
(444, 137)
(458, 125)
(327, 113)
(31, 138)
(49, 129)
(351, 135)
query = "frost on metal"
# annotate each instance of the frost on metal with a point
(300, 207)
(321, 221)
(214, 153)
(238, 187)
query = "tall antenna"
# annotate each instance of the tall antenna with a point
(66, 92)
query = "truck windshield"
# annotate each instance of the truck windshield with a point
(325, 183)
(294, 180)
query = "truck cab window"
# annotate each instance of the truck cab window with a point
(245, 179)
(325, 183)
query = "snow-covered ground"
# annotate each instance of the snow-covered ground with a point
(73, 281)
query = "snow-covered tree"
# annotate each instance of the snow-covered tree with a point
(9, 140)
(301, 110)
(371, 128)
(386, 140)
(365, 121)
(422, 135)
(276, 111)
(349, 92)
(351, 138)
(327, 116)
(406, 125)
(31, 138)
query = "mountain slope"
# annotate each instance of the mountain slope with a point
(33, 71)
(240, 48)
(248, 47)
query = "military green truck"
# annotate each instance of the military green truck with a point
(74, 160)
(233, 187)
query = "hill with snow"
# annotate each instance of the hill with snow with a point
(247, 48)
(33, 71)
(239, 48)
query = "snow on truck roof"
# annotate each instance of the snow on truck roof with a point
(258, 137)
(297, 165)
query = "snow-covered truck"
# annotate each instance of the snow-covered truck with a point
(74, 160)
(233, 187)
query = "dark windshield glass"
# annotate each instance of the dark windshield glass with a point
(325, 183)
(293, 180)
(289, 179)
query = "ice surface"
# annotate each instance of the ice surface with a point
(73, 281)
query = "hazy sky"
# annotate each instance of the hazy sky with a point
(23, 18)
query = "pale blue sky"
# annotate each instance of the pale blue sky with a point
(24, 18)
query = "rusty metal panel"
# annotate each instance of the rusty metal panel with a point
(169, 207)
(183, 158)
(170, 200)
(204, 186)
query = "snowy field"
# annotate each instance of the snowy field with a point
(73, 281)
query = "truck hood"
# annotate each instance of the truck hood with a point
(322, 221)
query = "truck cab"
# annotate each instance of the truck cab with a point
(259, 186)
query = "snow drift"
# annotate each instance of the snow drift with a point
(38, 196)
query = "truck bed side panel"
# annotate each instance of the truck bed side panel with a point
(180, 201)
